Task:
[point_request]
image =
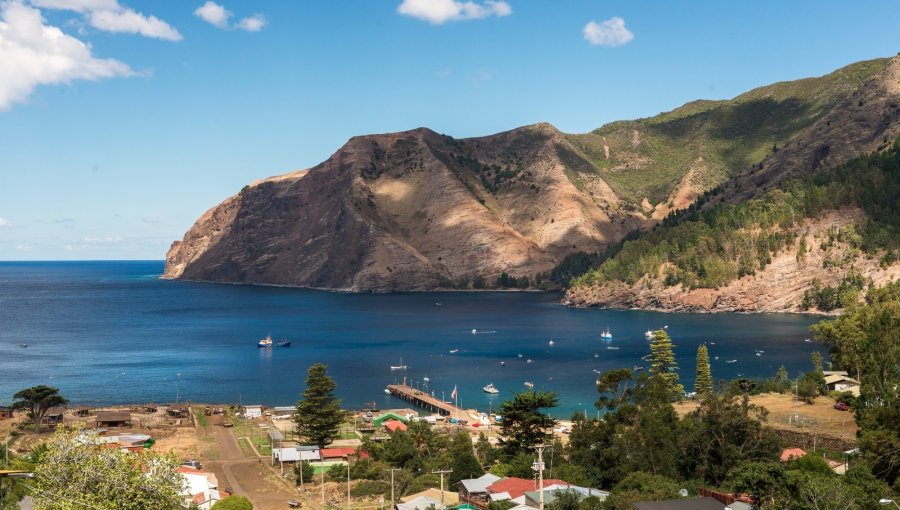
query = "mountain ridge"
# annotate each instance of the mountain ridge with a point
(418, 210)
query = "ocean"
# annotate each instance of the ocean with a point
(113, 332)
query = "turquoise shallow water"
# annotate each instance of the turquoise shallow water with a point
(113, 332)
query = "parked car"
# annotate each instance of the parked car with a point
(193, 463)
(841, 406)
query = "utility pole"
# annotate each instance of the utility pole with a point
(392, 486)
(442, 472)
(539, 467)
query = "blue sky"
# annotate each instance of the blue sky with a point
(121, 121)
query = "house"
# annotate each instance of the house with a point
(419, 503)
(53, 417)
(177, 411)
(474, 490)
(517, 487)
(837, 382)
(789, 454)
(450, 498)
(391, 426)
(200, 488)
(285, 410)
(379, 421)
(309, 453)
(705, 503)
(253, 412)
(533, 498)
(5, 413)
(113, 419)
(339, 454)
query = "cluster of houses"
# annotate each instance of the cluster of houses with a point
(524, 493)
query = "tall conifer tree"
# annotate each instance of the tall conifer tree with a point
(664, 364)
(319, 414)
(703, 385)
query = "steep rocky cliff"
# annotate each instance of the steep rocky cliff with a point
(408, 211)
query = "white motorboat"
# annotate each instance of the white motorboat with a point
(491, 389)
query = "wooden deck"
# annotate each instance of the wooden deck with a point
(426, 401)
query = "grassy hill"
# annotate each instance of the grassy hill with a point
(709, 248)
(648, 158)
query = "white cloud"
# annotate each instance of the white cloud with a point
(253, 23)
(5, 223)
(110, 16)
(214, 14)
(33, 53)
(218, 16)
(437, 12)
(611, 32)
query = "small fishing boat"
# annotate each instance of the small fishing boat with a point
(520, 355)
(24, 346)
(612, 348)
(454, 351)
(759, 354)
(401, 366)
(265, 342)
(807, 340)
(439, 304)
(491, 389)
(529, 384)
(284, 343)
(529, 361)
(606, 335)
(426, 379)
(598, 371)
(474, 331)
(387, 391)
(596, 355)
(731, 361)
(648, 335)
(502, 363)
(637, 368)
(551, 343)
(717, 357)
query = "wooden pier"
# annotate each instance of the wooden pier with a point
(426, 401)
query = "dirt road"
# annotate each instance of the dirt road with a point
(249, 477)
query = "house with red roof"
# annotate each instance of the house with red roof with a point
(789, 454)
(201, 487)
(391, 426)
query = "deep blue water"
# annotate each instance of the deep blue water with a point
(113, 332)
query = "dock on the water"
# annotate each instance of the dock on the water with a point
(426, 401)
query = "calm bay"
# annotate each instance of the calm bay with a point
(113, 332)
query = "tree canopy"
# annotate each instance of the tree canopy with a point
(524, 422)
(37, 400)
(77, 471)
(319, 415)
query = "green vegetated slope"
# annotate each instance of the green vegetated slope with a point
(709, 248)
(649, 157)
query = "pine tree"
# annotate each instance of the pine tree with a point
(704, 382)
(663, 364)
(319, 414)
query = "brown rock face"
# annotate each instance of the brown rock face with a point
(407, 211)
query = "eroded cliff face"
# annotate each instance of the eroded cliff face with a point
(407, 211)
(777, 288)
